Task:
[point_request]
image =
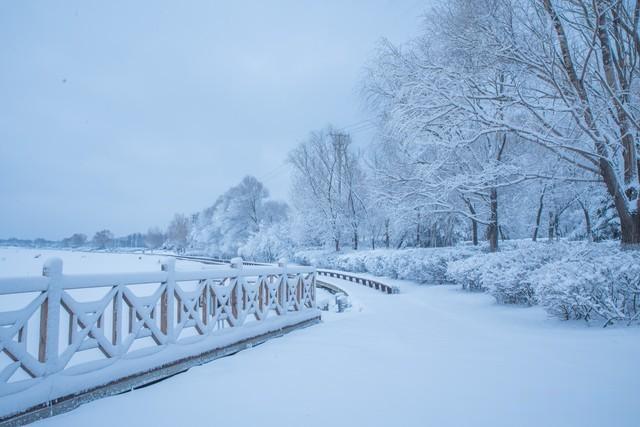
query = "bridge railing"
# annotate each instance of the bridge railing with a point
(373, 284)
(66, 335)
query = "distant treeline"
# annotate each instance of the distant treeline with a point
(103, 239)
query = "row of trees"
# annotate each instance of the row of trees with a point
(390, 198)
(105, 239)
(500, 92)
(499, 111)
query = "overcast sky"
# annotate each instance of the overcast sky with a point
(117, 114)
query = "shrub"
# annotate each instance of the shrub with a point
(422, 265)
(592, 285)
(571, 280)
(506, 275)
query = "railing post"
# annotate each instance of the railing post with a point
(283, 293)
(168, 299)
(50, 316)
(313, 288)
(238, 264)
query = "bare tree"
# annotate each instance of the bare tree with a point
(102, 239)
(328, 180)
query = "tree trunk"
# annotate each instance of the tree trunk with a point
(493, 197)
(387, 239)
(492, 231)
(503, 235)
(551, 223)
(355, 240)
(539, 215)
(418, 243)
(474, 232)
(404, 235)
(630, 230)
(474, 222)
(337, 242)
(587, 221)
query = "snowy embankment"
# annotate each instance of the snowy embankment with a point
(432, 355)
(571, 280)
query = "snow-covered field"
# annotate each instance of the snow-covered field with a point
(432, 355)
(28, 262)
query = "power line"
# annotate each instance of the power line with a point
(274, 172)
(357, 127)
(356, 124)
(353, 128)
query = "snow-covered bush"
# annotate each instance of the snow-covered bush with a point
(592, 284)
(571, 280)
(269, 244)
(506, 275)
(423, 265)
(607, 222)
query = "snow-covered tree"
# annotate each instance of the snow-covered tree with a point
(577, 89)
(102, 239)
(75, 240)
(154, 238)
(269, 244)
(438, 157)
(490, 83)
(328, 186)
(178, 231)
(241, 212)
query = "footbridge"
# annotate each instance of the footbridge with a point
(68, 339)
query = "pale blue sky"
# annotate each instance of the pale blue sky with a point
(116, 114)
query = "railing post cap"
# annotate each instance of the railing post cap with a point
(52, 267)
(168, 264)
(236, 262)
(282, 262)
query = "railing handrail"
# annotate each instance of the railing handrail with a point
(371, 283)
(25, 284)
(374, 284)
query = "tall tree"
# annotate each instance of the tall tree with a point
(328, 185)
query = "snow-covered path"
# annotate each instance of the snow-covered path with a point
(429, 356)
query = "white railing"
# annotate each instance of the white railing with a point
(61, 335)
(373, 284)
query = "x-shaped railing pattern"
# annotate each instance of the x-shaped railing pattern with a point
(43, 337)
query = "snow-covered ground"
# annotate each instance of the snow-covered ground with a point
(432, 355)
